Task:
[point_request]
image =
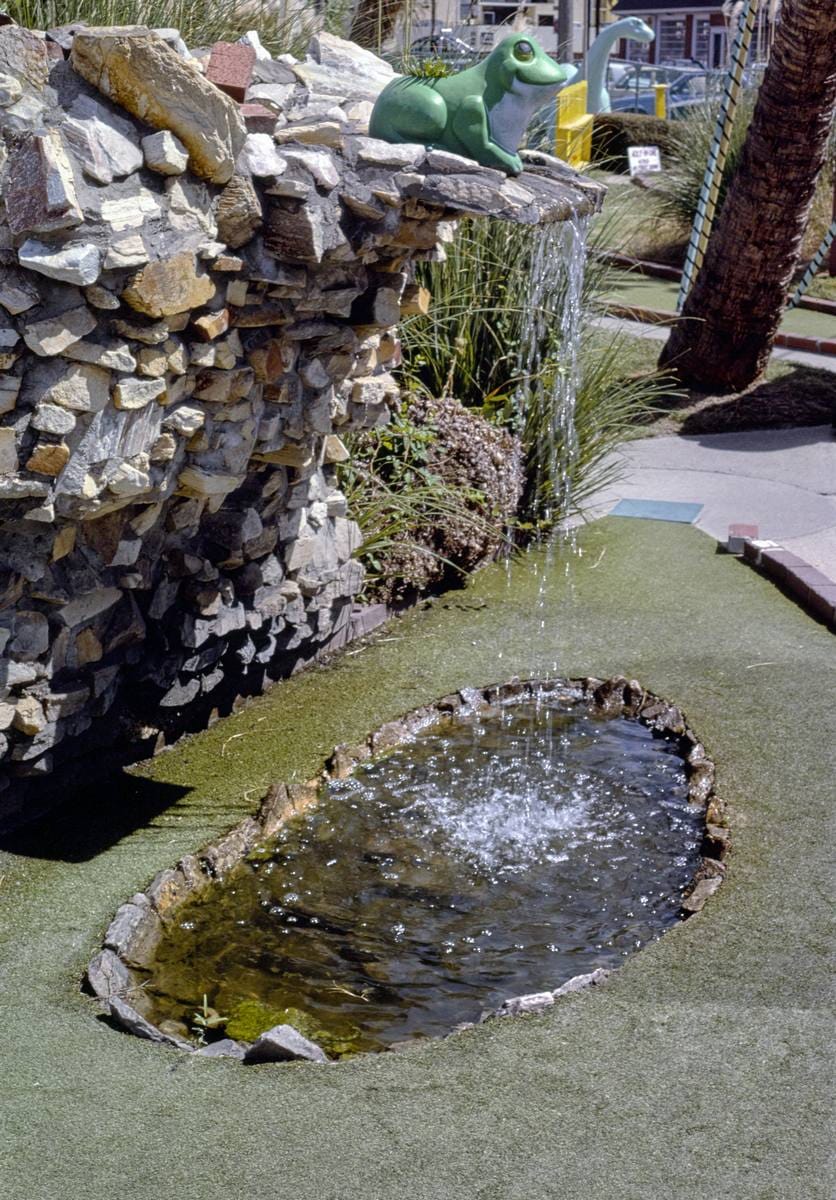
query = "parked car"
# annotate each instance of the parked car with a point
(687, 89)
(450, 49)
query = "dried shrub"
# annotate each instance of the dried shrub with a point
(434, 493)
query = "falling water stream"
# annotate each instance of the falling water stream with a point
(549, 361)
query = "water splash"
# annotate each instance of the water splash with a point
(501, 852)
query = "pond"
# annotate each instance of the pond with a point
(500, 851)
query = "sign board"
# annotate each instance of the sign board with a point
(644, 159)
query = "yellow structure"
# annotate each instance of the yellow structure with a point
(661, 90)
(573, 126)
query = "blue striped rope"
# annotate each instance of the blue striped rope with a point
(814, 265)
(710, 190)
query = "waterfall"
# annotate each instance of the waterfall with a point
(548, 366)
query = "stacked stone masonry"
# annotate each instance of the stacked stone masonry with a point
(203, 261)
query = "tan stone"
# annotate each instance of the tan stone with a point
(152, 363)
(88, 648)
(194, 482)
(169, 286)
(49, 458)
(334, 450)
(163, 449)
(64, 542)
(141, 72)
(211, 325)
(239, 212)
(29, 716)
(415, 301)
(8, 452)
(288, 456)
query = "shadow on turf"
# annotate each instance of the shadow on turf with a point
(86, 822)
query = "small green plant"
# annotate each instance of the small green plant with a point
(206, 1020)
(426, 68)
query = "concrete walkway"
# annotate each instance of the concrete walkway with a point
(700, 1070)
(783, 481)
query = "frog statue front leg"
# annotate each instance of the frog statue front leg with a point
(470, 127)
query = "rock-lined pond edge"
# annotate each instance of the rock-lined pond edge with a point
(114, 975)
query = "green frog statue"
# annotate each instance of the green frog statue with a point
(481, 113)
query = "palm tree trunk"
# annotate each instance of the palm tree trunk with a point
(722, 342)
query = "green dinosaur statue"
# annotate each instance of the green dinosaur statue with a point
(482, 112)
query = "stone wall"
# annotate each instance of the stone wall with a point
(203, 260)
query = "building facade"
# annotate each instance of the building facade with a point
(688, 30)
(483, 23)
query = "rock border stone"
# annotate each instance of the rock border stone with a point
(118, 972)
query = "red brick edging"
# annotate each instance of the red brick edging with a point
(787, 341)
(810, 586)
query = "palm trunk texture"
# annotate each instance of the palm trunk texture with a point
(732, 313)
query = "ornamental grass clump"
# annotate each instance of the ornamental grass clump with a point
(469, 347)
(200, 22)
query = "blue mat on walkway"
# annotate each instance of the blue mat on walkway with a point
(658, 510)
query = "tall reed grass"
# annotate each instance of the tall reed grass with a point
(283, 26)
(469, 347)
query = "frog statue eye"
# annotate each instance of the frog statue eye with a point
(524, 51)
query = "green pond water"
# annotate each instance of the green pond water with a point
(500, 852)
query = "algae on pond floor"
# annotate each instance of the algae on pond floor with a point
(501, 852)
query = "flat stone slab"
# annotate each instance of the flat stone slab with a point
(658, 510)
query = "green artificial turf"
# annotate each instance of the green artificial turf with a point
(698, 1071)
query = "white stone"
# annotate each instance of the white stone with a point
(114, 356)
(51, 418)
(104, 153)
(319, 163)
(164, 153)
(271, 95)
(19, 489)
(191, 207)
(54, 335)
(10, 90)
(129, 252)
(384, 154)
(185, 420)
(79, 263)
(128, 480)
(261, 158)
(136, 393)
(44, 513)
(8, 452)
(131, 212)
(82, 389)
(88, 605)
(252, 39)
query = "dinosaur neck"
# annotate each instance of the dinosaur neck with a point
(597, 58)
